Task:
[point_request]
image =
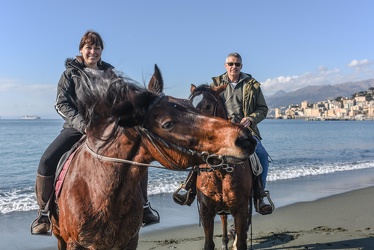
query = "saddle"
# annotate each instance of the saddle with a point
(64, 164)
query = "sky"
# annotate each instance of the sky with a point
(285, 44)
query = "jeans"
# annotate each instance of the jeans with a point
(264, 160)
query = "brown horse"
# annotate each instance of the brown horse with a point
(100, 205)
(222, 189)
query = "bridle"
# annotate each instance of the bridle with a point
(212, 160)
(216, 101)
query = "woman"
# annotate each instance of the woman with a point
(83, 68)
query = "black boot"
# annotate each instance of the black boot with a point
(148, 217)
(44, 191)
(189, 187)
(259, 194)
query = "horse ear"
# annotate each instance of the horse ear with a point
(192, 88)
(156, 84)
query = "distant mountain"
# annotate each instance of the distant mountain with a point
(318, 93)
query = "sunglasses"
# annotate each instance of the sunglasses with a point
(232, 64)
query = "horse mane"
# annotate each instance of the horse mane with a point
(111, 98)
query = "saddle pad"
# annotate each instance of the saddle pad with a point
(61, 176)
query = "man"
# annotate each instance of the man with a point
(246, 105)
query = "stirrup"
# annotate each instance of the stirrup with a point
(182, 199)
(270, 201)
(257, 204)
(35, 222)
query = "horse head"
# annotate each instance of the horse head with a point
(207, 100)
(173, 132)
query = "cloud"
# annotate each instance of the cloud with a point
(321, 76)
(8, 84)
(21, 99)
(14, 86)
(361, 66)
(359, 63)
(290, 83)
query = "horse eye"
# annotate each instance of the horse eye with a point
(208, 106)
(168, 125)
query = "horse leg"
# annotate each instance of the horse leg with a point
(225, 238)
(61, 244)
(133, 243)
(207, 219)
(240, 221)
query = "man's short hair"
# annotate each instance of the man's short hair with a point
(234, 54)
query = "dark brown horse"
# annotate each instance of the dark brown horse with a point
(222, 189)
(100, 205)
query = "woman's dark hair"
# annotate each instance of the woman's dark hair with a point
(91, 38)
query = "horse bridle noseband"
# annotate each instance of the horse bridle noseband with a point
(212, 160)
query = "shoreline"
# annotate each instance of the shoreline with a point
(327, 209)
(337, 222)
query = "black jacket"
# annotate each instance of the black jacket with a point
(67, 102)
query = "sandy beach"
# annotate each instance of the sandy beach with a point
(342, 219)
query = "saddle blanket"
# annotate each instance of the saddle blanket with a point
(61, 176)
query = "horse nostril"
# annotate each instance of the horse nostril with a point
(246, 142)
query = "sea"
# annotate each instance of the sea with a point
(309, 160)
(299, 150)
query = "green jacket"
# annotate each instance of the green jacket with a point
(254, 104)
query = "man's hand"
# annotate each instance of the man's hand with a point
(245, 122)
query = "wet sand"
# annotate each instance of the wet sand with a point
(344, 221)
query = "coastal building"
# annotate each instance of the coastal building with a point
(348, 103)
(278, 113)
(359, 107)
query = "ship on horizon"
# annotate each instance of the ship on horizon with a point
(30, 117)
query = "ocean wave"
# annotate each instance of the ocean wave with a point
(164, 182)
(292, 172)
(17, 200)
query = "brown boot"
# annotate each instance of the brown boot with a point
(259, 193)
(189, 186)
(44, 190)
